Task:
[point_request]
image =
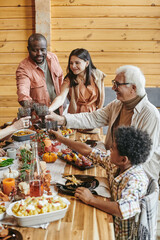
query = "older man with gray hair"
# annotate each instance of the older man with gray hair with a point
(131, 108)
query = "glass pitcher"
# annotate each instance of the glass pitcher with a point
(36, 174)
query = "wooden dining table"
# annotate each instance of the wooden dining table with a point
(81, 222)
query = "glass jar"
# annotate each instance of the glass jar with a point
(36, 174)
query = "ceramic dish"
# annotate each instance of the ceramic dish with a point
(3, 214)
(40, 218)
(2, 168)
(23, 137)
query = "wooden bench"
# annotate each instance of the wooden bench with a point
(152, 93)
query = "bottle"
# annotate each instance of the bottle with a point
(36, 174)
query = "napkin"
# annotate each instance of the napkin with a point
(103, 187)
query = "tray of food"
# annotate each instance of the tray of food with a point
(75, 159)
(23, 135)
(38, 210)
(75, 181)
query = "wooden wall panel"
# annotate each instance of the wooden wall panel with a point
(16, 3)
(17, 23)
(105, 3)
(106, 46)
(12, 57)
(115, 33)
(105, 35)
(105, 11)
(16, 12)
(105, 23)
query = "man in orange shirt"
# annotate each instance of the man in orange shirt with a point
(39, 76)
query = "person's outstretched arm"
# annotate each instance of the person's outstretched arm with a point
(87, 197)
(59, 100)
(19, 124)
(80, 147)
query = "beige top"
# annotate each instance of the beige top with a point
(87, 99)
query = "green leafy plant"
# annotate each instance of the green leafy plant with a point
(25, 156)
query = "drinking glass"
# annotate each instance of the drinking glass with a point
(42, 111)
(51, 125)
(24, 112)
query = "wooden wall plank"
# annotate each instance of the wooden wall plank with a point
(108, 57)
(7, 80)
(9, 69)
(12, 47)
(150, 68)
(8, 90)
(16, 24)
(12, 57)
(16, 12)
(16, 3)
(104, 2)
(106, 23)
(8, 111)
(105, 34)
(9, 101)
(108, 46)
(103, 11)
(15, 35)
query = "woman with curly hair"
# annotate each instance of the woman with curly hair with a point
(124, 168)
(84, 84)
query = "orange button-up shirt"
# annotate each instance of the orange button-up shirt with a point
(31, 83)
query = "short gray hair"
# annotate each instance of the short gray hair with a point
(134, 76)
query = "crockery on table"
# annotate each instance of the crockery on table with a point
(11, 153)
(38, 210)
(2, 210)
(23, 135)
(5, 162)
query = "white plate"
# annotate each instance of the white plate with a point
(1, 168)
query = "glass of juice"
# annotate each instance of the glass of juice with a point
(36, 188)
